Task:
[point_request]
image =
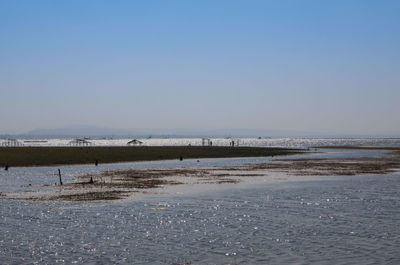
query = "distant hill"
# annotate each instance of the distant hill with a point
(102, 132)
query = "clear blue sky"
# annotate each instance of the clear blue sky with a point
(324, 66)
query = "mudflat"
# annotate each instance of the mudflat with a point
(119, 184)
(49, 156)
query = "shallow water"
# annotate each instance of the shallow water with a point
(324, 220)
(18, 178)
(28, 178)
(334, 220)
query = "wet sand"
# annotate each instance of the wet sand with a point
(120, 184)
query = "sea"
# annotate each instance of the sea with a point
(265, 220)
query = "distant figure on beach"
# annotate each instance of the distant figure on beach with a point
(180, 158)
(97, 162)
(6, 167)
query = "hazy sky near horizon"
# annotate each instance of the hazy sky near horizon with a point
(322, 66)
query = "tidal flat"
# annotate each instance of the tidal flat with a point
(123, 183)
(50, 156)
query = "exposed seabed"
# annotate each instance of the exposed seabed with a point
(121, 184)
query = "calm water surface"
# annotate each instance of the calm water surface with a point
(324, 220)
(333, 221)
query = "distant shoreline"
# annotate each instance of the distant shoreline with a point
(51, 156)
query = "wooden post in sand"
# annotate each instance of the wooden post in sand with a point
(59, 175)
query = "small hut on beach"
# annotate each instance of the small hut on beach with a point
(135, 142)
(80, 142)
(11, 143)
